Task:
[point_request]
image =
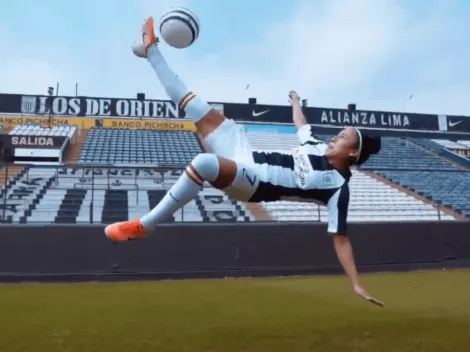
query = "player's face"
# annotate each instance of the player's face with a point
(344, 145)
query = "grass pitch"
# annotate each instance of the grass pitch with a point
(428, 311)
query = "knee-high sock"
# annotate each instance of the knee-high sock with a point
(195, 107)
(204, 167)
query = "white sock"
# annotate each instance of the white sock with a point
(204, 167)
(195, 107)
(182, 192)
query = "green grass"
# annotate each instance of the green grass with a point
(428, 311)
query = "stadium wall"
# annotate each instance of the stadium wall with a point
(82, 253)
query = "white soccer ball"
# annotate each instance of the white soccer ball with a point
(179, 27)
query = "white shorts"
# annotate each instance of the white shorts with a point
(230, 141)
(256, 170)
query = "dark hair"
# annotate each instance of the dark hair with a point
(369, 145)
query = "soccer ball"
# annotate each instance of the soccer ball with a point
(179, 27)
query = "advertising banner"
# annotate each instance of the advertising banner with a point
(32, 142)
(334, 117)
(12, 121)
(156, 125)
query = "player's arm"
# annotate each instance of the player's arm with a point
(304, 130)
(337, 227)
(345, 255)
(297, 113)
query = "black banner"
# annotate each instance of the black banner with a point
(334, 117)
(458, 123)
(32, 142)
(258, 113)
(98, 107)
(164, 109)
(373, 119)
(10, 103)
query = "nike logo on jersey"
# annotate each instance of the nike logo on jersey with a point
(256, 114)
(452, 124)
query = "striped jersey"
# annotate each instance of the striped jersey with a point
(305, 175)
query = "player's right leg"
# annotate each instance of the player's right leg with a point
(222, 135)
(238, 180)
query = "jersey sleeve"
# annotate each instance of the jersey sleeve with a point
(338, 211)
(305, 134)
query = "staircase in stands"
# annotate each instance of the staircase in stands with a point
(76, 145)
(443, 158)
(8, 174)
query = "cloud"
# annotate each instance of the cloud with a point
(324, 52)
(32, 66)
(372, 52)
(38, 75)
(94, 51)
(23, 74)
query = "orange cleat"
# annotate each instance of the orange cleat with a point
(148, 38)
(125, 231)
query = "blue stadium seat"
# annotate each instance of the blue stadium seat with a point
(123, 146)
(451, 189)
(399, 153)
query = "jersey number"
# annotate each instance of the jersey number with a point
(250, 180)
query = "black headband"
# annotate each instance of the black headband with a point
(367, 145)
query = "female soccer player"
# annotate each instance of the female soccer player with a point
(312, 172)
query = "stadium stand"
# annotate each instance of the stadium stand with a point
(402, 154)
(437, 180)
(272, 141)
(66, 195)
(24, 191)
(438, 145)
(453, 145)
(370, 199)
(450, 189)
(37, 130)
(145, 147)
(76, 146)
(464, 143)
(103, 194)
(459, 147)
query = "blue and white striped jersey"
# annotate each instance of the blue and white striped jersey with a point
(305, 175)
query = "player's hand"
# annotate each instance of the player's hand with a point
(363, 293)
(293, 96)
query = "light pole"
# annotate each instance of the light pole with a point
(406, 101)
(245, 92)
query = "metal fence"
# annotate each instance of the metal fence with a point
(35, 193)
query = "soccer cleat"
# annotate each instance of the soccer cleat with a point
(148, 38)
(125, 231)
